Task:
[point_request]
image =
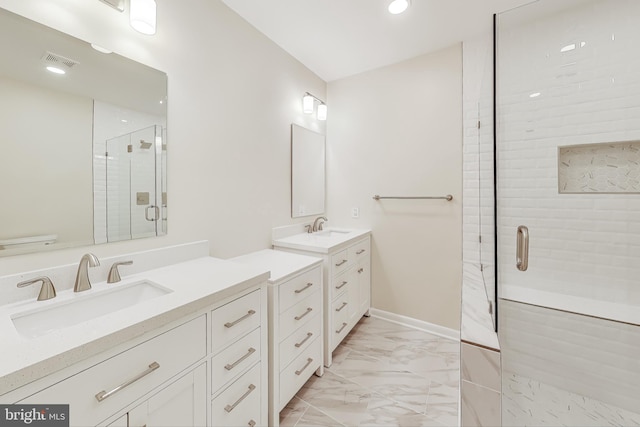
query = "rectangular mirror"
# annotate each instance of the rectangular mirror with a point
(83, 140)
(307, 172)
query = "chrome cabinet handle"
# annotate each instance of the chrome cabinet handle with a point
(341, 285)
(235, 322)
(309, 360)
(344, 304)
(230, 408)
(104, 394)
(305, 288)
(341, 262)
(155, 213)
(361, 251)
(522, 248)
(344, 325)
(309, 310)
(229, 367)
(360, 270)
(309, 335)
(252, 423)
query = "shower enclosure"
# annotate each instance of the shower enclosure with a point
(136, 185)
(568, 212)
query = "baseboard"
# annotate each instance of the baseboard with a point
(421, 325)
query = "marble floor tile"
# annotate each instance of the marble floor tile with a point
(383, 374)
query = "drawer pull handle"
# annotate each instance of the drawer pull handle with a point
(234, 364)
(104, 394)
(252, 423)
(305, 288)
(309, 335)
(309, 310)
(341, 262)
(249, 314)
(344, 304)
(360, 270)
(309, 360)
(361, 251)
(344, 325)
(230, 408)
(344, 282)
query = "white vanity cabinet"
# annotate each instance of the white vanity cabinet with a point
(347, 280)
(207, 368)
(295, 305)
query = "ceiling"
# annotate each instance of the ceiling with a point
(340, 38)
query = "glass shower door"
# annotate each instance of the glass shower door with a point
(568, 204)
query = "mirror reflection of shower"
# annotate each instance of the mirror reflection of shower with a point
(136, 199)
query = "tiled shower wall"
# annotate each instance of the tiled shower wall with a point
(109, 122)
(568, 79)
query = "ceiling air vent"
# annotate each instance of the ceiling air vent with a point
(55, 59)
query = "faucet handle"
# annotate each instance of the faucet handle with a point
(47, 291)
(114, 274)
(309, 228)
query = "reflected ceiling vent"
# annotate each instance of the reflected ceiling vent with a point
(59, 61)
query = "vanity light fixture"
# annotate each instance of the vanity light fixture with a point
(398, 6)
(308, 104)
(142, 16)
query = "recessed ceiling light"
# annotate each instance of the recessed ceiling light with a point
(534, 95)
(398, 6)
(55, 70)
(568, 47)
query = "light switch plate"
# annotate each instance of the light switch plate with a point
(355, 212)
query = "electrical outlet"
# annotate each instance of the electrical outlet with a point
(355, 212)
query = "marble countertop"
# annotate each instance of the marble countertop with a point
(195, 284)
(321, 241)
(282, 265)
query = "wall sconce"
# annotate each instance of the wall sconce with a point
(142, 14)
(308, 103)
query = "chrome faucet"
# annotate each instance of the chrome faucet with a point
(47, 291)
(317, 225)
(82, 278)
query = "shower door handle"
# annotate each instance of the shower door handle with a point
(522, 248)
(156, 213)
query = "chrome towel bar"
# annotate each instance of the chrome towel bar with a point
(448, 197)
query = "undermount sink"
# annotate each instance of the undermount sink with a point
(81, 308)
(331, 233)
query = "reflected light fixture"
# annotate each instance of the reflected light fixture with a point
(142, 16)
(398, 6)
(308, 104)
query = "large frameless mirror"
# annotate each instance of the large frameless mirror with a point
(83, 142)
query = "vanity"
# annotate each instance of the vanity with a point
(295, 301)
(346, 270)
(191, 349)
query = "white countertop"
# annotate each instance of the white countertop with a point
(319, 242)
(195, 285)
(282, 264)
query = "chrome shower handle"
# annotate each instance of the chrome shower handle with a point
(522, 248)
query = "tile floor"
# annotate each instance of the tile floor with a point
(383, 374)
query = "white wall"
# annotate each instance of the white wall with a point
(35, 174)
(233, 95)
(397, 131)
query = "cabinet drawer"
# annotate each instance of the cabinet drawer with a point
(234, 319)
(299, 287)
(299, 340)
(233, 360)
(338, 285)
(293, 377)
(173, 351)
(300, 314)
(359, 251)
(239, 404)
(340, 322)
(339, 262)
